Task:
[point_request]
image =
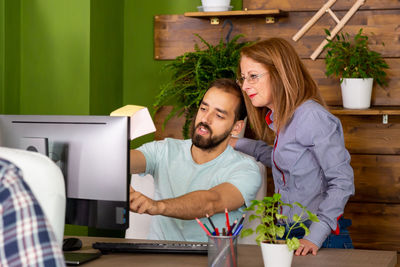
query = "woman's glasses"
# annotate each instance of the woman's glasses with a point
(252, 78)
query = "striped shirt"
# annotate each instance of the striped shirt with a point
(26, 236)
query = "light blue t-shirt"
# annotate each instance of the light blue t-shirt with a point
(175, 174)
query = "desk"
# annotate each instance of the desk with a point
(248, 255)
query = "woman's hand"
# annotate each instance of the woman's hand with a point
(232, 141)
(306, 247)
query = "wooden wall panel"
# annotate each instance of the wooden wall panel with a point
(374, 147)
(368, 135)
(363, 134)
(173, 128)
(174, 34)
(375, 226)
(295, 5)
(330, 87)
(376, 178)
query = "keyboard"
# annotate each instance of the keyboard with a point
(177, 248)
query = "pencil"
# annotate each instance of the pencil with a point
(216, 231)
(241, 220)
(233, 226)
(208, 229)
(239, 224)
(228, 227)
(211, 222)
(202, 226)
(238, 229)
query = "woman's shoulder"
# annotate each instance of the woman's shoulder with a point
(312, 120)
(313, 110)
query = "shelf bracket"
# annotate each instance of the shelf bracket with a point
(214, 21)
(269, 20)
(385, 119)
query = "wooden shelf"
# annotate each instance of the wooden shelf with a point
(338, 110)
(269, 14)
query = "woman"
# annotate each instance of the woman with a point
(309, 161)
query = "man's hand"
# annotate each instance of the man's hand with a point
(139, 203)
(306, 247)
(191, 205)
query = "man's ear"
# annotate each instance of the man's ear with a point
(237, 128)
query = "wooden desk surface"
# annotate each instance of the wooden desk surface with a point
(248, 255)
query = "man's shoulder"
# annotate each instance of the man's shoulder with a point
(239, 158)
(167, 142)
(177, 141)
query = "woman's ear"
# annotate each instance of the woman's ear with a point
(237, 128)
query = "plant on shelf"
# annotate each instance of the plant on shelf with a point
(347, 59)
(353, 62)
(193, 72)
(271, 229)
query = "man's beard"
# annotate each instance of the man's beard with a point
(210, 142)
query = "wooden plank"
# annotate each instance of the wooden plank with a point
(263, 12)
(362, 134)
(381, 96)
(173, 128)
(367, 134)
(376, 178)
(295, 5)
(377, 110)
(375, 226)
(174, 34)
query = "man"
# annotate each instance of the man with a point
(200, 176)
(26, 236)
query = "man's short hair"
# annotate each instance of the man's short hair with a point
(230, 86)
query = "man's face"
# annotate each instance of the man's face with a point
(215, 119)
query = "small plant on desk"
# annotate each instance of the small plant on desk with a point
(271, 230)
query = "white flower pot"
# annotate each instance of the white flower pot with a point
(215, 5)
(276, 255)
(356, 92)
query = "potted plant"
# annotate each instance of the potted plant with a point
(193, 72)
(356, 66)
(276, 246)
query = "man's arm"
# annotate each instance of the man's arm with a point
(137, 162)
(191, 205)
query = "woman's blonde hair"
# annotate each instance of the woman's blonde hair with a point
(291, 83)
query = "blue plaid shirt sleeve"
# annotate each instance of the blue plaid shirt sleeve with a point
(26, 236)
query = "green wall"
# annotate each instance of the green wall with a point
(62, 56)
(106, 55)
(142, 74)
(2, 56)
(81, 57)
(55, 56)
(12, 56)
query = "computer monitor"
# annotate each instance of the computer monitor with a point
(93, 154)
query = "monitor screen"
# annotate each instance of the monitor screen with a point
(93, 155)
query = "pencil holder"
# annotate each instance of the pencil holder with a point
(222, 251)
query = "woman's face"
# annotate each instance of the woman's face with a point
(256, 82)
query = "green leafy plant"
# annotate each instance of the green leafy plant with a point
(353, 59)
(192, 74)
(269, 230)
